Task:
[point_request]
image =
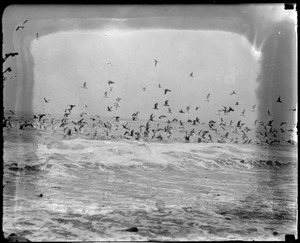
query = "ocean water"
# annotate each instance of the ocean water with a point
(93, 187)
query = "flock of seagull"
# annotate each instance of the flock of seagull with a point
(164, 129)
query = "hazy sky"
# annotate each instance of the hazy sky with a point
(249, 49)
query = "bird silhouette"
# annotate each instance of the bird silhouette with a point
(167, 90)
(253, 107)
(37, 35)
(169, 110)
(191, 75)
(21, 26)
(151, 117)
(207, 97)
(155, 106)
(233, 93)
(11, 112)
(110, 82)
(155, 62)
(279, 100)
(46, 101)
(109, 108)
(243, 113)
(166, 103)
(292, 109)
(105, 94)
(197, 108)
(84, 85)
(159, 86)
(269, 113)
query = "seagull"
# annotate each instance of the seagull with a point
(282, 123)
(191, 75)
(162, 116)
(118, 99)
(166, 103)
(181, 111)
(279, 100)
(71, 106)
(46, 101)
(169, 110)
(269, 113)
(105, 93)
(151, 117)
(253, 107)
(167, 90)
(188, 108)
(155, 62)
(236, 103)
(207, 97)
(110, 89)
(292, 109)
(143, 88)
(155, 106)
(116, 104)
(197, 108)
(159, 86)
(109, 108)
(233, 92)
(110, 82)
(243, 113)
(21, 26)
(84, 85)
(11, 112)
(37, 35)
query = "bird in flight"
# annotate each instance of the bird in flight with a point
(37, 35)
(279, 100)
(269, 113)
(188, 108)
(110, 82)
(167, 90)
(151, 117)
(197, 108)
(236, 103)
(169, 110)
(233, 93)
(155, 62)
(253, 107)
(21, 26)
(191, 75)
(292, 109)
(207, 97)
(181, 111)
(109, 108)
(155, 106)
(159, 86)
(46, 101)
(84, 85)
(118, 99)
(105, 93)
(11, 112)
(243, 113)
(166, 103)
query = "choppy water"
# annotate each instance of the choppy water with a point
(94, 189)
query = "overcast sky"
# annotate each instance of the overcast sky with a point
(248, 49)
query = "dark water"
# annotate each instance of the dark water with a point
(93, 189)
